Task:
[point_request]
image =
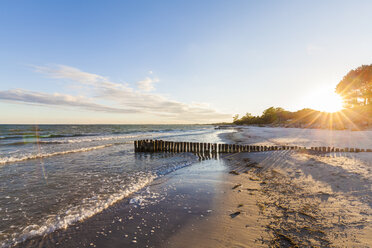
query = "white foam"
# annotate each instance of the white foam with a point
(78, 213)
(45, 155)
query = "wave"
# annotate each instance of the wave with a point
(79, 213)
(70, 135)
(45, 155)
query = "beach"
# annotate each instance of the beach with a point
(260, 199)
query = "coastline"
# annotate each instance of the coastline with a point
(272, 198)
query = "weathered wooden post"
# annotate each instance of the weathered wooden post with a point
(155, 145)
(167, 146)
(135, 146)
(144, 145)
(148, 146)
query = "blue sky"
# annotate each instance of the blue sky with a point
(174, 61)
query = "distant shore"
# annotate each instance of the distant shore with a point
(303, 126)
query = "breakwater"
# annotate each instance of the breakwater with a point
(197, 147)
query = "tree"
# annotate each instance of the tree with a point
(356, 87)
(269, 115)
(235, 118)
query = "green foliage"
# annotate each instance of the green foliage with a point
(269, 116)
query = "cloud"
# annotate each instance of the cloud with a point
(56, 99)
(120, 98)
(147, 84)
(63, 71)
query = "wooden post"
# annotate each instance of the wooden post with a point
(156, 145)
(152, 145)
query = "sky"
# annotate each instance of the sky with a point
(159, 62)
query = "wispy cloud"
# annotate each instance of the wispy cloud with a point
(120, 98)
(56, 99)
(147, 84)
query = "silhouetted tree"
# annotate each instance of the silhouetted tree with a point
(356, 86)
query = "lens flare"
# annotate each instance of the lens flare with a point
(325, 100)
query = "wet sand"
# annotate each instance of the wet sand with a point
(150, 217)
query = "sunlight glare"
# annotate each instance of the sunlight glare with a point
(325, 100)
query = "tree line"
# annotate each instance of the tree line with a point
(355, 89)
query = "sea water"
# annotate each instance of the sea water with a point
(52, 176)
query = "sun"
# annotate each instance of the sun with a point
(325, 100)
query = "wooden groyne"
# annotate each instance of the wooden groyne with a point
(196, 147)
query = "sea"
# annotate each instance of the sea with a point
(52, 176)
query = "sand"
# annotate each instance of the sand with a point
(288, 198)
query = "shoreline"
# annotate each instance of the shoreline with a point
(272, 198)
(149, 217)
(235, 126)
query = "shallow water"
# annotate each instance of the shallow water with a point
(54, 175)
